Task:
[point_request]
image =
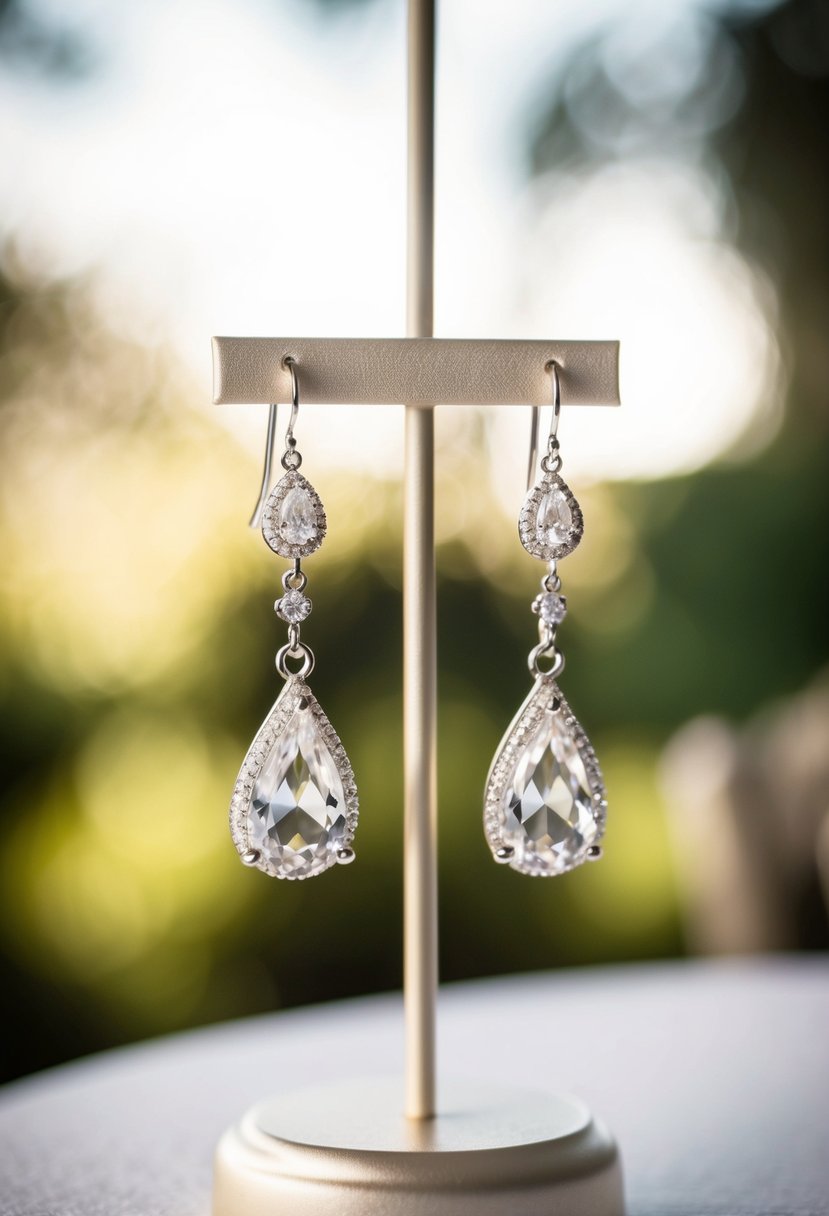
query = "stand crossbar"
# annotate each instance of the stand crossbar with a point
(423, 371)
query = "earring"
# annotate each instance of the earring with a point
(545, 805)
(294, 808)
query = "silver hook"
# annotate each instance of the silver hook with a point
(270, 441)
(291, 458)
(552, 368)
(294, 458)
(552, 441)
(535, 414)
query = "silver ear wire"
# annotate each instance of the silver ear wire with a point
(552, 441)
(291, 458)
(270, 439)
(295, 459)
(535, 414)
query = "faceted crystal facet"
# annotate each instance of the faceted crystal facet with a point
(297, 519)
(547, 805)
(293, 607)
(555, 519)
(545, 796)
(551, 523)
(297, 811)
(293, 520)
(295, 804)
(551, 607)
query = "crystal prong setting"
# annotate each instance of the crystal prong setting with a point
(573, 773)
(311, 519)
(552, 542)
(297, 858)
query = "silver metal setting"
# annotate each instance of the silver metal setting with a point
(552, 368)
(270, 517)
(291, 458)
(528, 520)
(542, 697)
(295, 649)
(295, 695)
(546, 649)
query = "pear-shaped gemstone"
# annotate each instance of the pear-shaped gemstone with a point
(294, 809)
(545, 797)
(548, 812)
(297, 518)
(293, 520)
(555, 519)
(551, 523)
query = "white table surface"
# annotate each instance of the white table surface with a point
(714, 1077)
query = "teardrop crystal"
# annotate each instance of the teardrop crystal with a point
(545, 797)
(293, 519)
(555, 519)
(295, 804)
(297, 521)
(551, 523)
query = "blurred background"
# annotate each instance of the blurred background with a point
(648, 171)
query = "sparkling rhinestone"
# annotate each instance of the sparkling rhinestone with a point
(547, 810)
(297, 518)
(554, 521)
(551, 607)
(297, 813)
(293, 607)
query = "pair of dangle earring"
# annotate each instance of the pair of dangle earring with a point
(294, 808)
(545, 803)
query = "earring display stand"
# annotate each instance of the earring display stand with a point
(367, 1147)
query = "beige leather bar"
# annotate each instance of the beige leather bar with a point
(386, 371)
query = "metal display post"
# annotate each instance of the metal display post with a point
(420, 932)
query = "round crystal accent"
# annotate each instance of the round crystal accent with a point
(551, 607)
(293, 607)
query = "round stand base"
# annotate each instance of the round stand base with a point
(345, 1150)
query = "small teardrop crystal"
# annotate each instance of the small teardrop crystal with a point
(551, 523)
(293, 519)
(555, 519)
(297, 521)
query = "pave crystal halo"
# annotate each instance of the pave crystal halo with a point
(293, 521)
(551, 523)
(545, 804)
(294, 809)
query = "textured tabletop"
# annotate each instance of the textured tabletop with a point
(713, 1076)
